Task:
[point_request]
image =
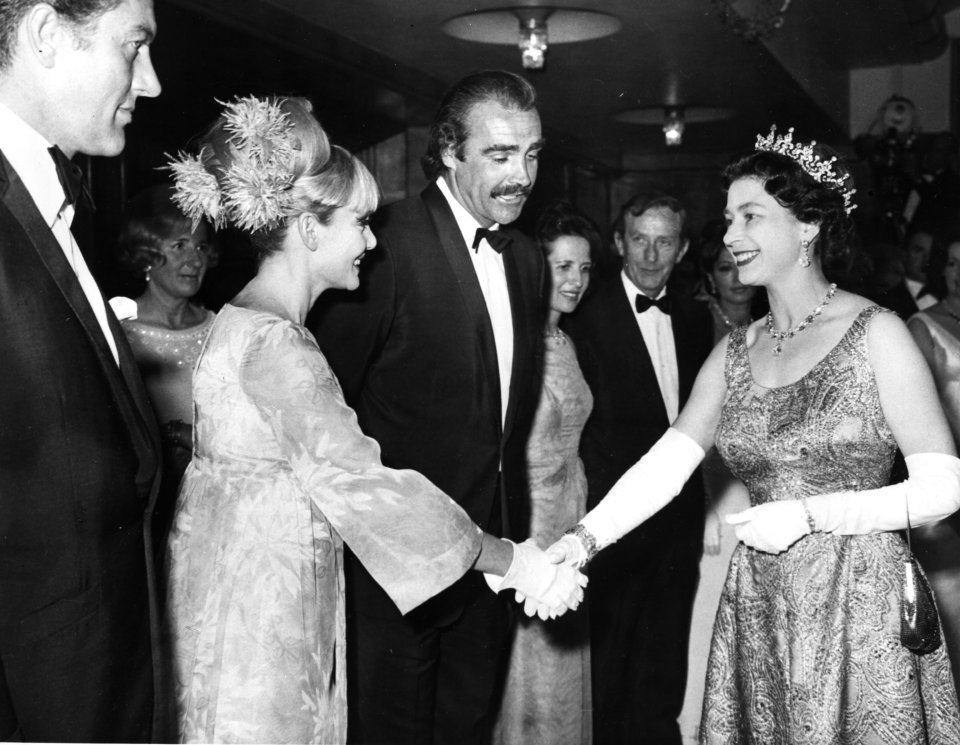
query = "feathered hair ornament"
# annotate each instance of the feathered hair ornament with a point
(253, 192)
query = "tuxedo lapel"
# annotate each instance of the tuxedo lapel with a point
(523, 313)
(455, 251)
(124, 380)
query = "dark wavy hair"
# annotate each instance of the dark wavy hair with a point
(77, 12)
(449, 128)
(806, 198)
(150, 218)
(560, 218)
(939, 255)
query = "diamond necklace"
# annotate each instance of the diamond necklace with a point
(781, 336)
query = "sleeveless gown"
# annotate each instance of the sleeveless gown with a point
(806, 646)
(546, 697)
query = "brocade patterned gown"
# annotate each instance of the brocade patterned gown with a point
(546, 697)
(806, 647)
(281, 477)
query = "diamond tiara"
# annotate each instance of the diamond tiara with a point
(820, 169)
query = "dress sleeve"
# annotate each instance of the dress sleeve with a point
(411, 537)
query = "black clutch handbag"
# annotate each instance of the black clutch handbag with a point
(919, 623)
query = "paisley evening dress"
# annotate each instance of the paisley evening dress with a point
(546, 697)
(806, 647)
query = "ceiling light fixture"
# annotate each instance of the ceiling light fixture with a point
(530, 25)
(673, 119)
(673, 126)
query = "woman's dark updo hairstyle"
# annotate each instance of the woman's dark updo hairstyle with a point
(560, 218)
(807, 199)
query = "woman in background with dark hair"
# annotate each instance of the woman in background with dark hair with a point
(807, 407)
(546, 697)
(937, 333)
(159, 245)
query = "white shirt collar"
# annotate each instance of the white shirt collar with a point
(632, 290)
(914, 287)
(26, 150)
(465, 221)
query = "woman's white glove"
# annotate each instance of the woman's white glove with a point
(932, 492)
(645, 489)
(546, 589)
(772, 527)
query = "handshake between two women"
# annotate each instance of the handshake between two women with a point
(546, 588)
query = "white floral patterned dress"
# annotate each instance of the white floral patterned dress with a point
(281, 477)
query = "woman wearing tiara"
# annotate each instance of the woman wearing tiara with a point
(281, 475)
(807, 407)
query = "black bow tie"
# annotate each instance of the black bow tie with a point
(644, 303)
(497, 240)
(71, 178)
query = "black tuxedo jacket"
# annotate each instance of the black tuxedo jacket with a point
(414, 351)
(78, 476)
(629, 415)
(898, 299)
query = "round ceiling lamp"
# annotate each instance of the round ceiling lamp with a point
(673, 119)
(531, 28)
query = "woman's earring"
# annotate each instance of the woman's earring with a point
(146, 275)
(804, 260)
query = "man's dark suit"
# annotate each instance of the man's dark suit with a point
(641, 588)
(414, 350)
(898, 299)
(78, 474)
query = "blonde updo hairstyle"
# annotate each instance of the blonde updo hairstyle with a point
(323, 177)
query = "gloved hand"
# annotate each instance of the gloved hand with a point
(772, 527)
(546, 589)
(568, 550)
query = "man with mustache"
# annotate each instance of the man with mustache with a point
(640, 348)
(79, 451)
(440, 361)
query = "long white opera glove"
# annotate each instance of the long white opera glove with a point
(642, 491)
(547, 589)
(932, 492)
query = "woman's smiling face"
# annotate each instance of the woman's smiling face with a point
(762, 235)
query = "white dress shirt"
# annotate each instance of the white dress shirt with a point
(923, 301)
(657, 330)
(27, 151)
(488, 265)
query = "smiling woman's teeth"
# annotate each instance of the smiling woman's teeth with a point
(745, 257)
